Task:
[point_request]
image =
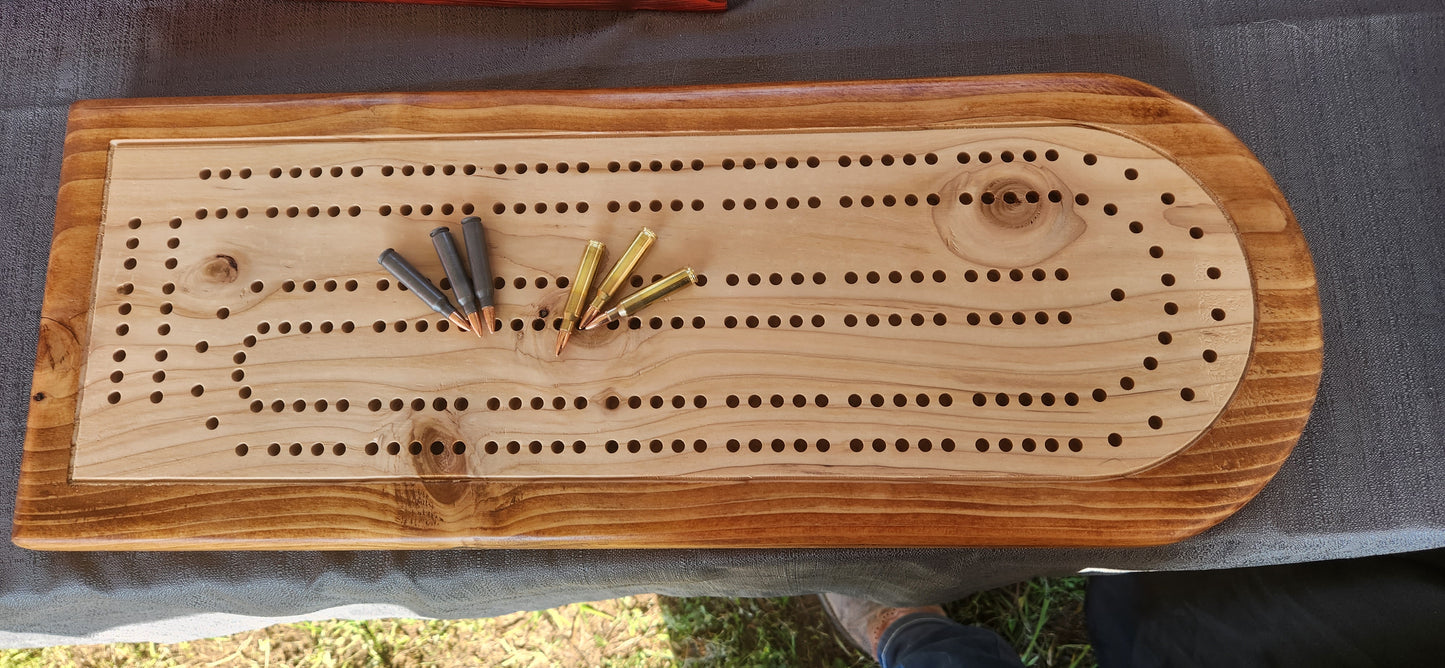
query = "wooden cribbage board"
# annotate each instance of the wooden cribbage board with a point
(1050, 310)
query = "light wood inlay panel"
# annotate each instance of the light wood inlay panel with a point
(866, 248)
(1016, 356)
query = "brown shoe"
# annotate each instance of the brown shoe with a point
(862, 621)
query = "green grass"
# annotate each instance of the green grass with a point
(1043, 619)
(755, 633)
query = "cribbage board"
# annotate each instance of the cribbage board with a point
(1051, 310)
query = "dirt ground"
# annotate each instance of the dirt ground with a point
(625, 632)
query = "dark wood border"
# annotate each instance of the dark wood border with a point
(1182, 496)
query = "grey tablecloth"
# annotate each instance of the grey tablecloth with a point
(1342, 101)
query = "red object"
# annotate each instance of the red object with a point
(614, 5)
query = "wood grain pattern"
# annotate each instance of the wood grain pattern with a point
(800, 498)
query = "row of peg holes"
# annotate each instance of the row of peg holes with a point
(944, 400)
(325, 327)
(797, 278)
(614, 402)
(656, 205)
(635, 323)
(748, 204)
(791, 162)
(382, 285)
(874, 277)
(290, 212)
(135, 223)
(438, 448)
(322, 405)
(864, 160)
(1019, 318)
(337, 171)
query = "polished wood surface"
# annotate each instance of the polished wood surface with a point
(853, 226)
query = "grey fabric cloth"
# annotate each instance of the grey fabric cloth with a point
(1342, 101)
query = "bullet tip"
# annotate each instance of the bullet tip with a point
(489, 318)
(562, 342)
(476, 323)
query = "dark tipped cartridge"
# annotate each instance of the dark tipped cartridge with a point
(475, 238)
(446, 247)
(420, 286)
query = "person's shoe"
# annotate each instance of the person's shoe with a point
(862, 621)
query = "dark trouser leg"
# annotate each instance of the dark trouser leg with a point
(1375, 611)
(930, 641)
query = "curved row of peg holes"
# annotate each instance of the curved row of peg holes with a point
(1170, 308)
(677, 401)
